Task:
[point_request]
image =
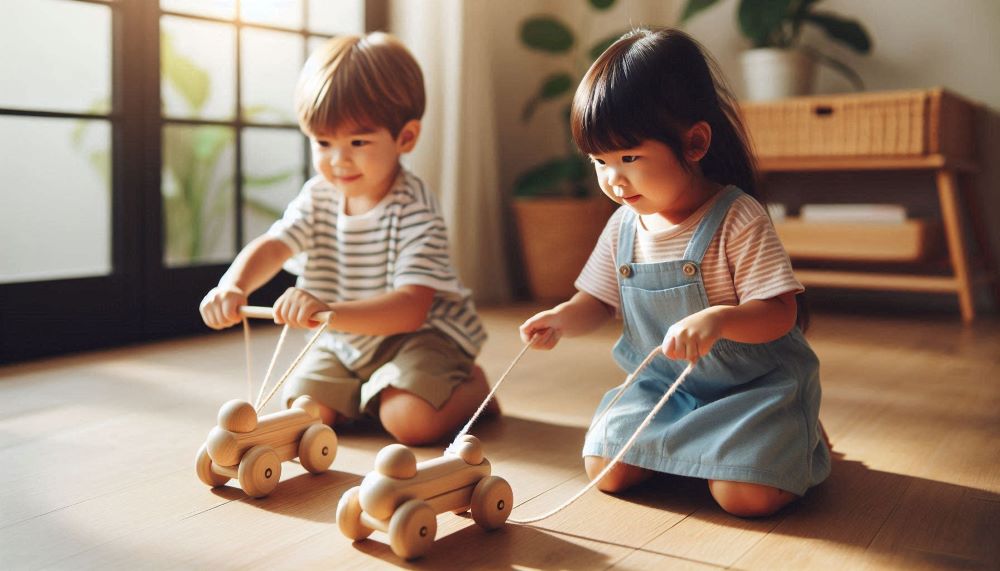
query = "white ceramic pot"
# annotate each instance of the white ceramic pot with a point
(771, 73)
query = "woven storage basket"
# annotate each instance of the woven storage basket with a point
(900, 123)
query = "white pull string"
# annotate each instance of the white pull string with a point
(270, 367)
(628, 381)
(621, 453)
(246, 346)
(294, 364)
(489, 397)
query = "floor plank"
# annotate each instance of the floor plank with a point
(100, 451)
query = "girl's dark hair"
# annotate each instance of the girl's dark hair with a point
(655, 84)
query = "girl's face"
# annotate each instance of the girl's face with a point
(651, 179)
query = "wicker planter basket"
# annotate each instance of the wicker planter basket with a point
(557, 236)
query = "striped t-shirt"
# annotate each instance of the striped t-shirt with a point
(745, 260)
(401, 241)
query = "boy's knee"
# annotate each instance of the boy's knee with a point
(326, 414)
(744, 499)
(409, 419)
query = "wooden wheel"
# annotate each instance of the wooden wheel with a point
(412, 529)
(259, 472)
(349, 516)
(203, 465)
(317, 448)
(492, 501)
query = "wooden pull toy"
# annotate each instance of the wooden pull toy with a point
(251, 449)
(402, 497)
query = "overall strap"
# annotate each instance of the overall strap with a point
(626, 237)
(708, 226)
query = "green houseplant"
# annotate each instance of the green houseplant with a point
(557, 206)
(780, 64)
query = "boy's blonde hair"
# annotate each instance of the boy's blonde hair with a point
(366, 82)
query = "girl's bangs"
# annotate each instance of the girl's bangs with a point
(610, 114)
(600, 126)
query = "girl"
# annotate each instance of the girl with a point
(691, 263)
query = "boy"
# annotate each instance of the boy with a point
(370, 245)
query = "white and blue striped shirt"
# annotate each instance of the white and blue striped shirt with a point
(402, 241)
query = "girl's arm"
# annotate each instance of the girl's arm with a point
(582, 314)
(756, 321)
(401, 311)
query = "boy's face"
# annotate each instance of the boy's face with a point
(361, 163)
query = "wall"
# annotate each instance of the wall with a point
(916, 45)
(518, 72)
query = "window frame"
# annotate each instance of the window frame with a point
(140, 299)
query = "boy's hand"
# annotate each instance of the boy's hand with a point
(221, 306)
(692, 337)
(296, 308)
(545, 329)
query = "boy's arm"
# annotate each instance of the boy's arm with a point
(253, 267)
(256, 264)
(582, 314)
(401, 311)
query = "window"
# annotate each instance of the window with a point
(142, 143)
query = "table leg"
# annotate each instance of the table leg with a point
(979, 230)
(951, 216)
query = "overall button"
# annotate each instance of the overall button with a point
(689, 269)
(625, 270)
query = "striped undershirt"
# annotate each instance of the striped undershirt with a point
(401, 241)
(745, 260)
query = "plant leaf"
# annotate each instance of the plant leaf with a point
(192, 82)
(552, 87)
(839, 66)
(529, 109)
(761, 20)
(548, 178)
(555, 85)
(268, 180)
(599, 48)
(261, 209)
(602, 4)
(545, 33)
(693, 7)
(844, 30)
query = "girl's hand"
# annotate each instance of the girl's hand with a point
(221, 306)
(543, 330)
(296, 308)
(692, 337)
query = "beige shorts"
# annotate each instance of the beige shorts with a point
(427, 363)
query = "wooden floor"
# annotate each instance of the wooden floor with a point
(98, 467)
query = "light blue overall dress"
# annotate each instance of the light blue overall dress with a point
(747, 412)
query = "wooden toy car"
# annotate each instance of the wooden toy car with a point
(252, 450)
(402, 497)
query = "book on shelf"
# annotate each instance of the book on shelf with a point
(776, 211)
(875, 213)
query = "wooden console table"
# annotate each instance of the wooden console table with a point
(950, 195)
(921, 130)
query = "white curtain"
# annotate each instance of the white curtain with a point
(457, 151)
